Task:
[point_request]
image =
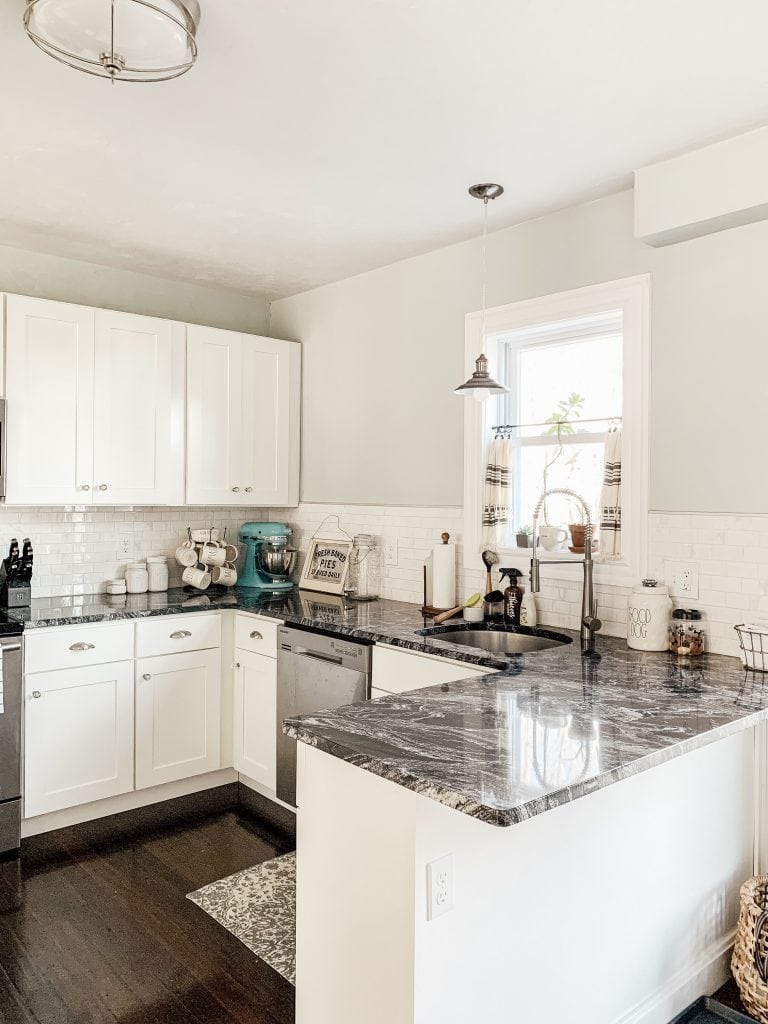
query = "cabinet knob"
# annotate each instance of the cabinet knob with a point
(102, 487)
(36, 694)
(256, 635)
(237, 664)
(82, 646)
(236, 490)
(85, 487)
(146, 676)
(180, 634)
(248, 490)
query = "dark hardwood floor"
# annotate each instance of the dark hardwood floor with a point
(95, 927)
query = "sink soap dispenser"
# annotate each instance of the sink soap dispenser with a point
(513, 596)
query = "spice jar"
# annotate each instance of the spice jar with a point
(137, 578)
(157, 571)
(686, 636)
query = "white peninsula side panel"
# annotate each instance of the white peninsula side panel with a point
(618, 908)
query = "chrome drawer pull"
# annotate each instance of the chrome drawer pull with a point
(36, 694)
(180, 634)
(82, 646)
(146, 676)
(256, 635)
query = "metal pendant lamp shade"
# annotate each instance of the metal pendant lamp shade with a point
(481, 384)
(122, 40)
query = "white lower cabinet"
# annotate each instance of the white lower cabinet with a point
(78, 736)
(255, 716)
(178, 716)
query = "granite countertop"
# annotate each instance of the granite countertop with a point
(546, 729)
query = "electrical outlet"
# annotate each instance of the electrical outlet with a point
(390, 551)
(126, 546)
(682, 579)
(439, 887)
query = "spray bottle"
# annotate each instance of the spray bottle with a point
(513, 596)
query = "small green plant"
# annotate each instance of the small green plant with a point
(561, 425)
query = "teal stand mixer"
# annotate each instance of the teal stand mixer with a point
(268, 557)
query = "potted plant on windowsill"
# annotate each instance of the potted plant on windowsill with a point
(524, 537)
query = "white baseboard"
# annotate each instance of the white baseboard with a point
(265, 792)
(701, 977)
(125, 802)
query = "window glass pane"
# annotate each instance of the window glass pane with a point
(548, 375)
(578, 466)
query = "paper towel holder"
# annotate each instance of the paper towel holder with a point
(429, 610)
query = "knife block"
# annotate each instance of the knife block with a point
(13, 594)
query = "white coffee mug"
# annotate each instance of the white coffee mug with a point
(186, 554)
(231, 552)
(552, 537)
(205, 536)
(212, 554)
(224, 574)
(197, 577)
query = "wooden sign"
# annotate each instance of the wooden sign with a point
(326, 567)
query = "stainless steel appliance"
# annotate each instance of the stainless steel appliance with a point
(314, 673)
(3, 445)
(10, 742)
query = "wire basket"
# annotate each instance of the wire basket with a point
(750, 952)
(753, 642)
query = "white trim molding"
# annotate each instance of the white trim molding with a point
(632, 296)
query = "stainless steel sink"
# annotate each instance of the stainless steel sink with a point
(523, 640)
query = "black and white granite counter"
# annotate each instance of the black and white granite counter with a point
(547, 728)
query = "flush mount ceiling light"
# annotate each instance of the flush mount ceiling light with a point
(481, 384)
(123, 40)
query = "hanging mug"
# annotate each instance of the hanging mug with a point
(197, 577)
(212, 554)
(186, 554)
(226, 575)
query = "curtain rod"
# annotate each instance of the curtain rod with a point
(505, 427)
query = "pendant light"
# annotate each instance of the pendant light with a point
(481, 384)
(121, 40)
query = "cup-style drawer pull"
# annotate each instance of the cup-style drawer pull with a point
(236, 490)
(146, 676)
(85, 487)
(36, 694)
(180, 634)
(256, 635)
(248, 490)
(102, 487)
(82, 646)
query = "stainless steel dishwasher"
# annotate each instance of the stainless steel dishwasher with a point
(315, 672)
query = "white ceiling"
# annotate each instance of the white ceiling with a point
(315, 140)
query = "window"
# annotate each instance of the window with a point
(575, 364)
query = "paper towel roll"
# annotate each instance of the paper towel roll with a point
(444, 576)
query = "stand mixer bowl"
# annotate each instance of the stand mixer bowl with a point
(274, 558)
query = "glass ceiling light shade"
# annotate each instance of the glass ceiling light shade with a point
(122, 40)
(481, 384)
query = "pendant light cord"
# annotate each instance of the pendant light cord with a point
(485, 267)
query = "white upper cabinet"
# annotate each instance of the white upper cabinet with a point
(243, 396)
(138, 452)
(49, 385)
(95, 406)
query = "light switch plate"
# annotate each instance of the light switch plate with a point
(682, 579)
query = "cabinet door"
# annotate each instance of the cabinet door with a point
(271, 372)
(138, 455)
(214, 417)
(49, 376)
(178, 716)
(78, 736)
(255, 716)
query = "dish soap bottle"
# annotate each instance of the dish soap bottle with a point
(513, 596)
(528, 613)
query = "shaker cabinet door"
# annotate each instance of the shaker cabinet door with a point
(214, 417)
(78, 736)
(138, 453)
(255, 717)
(178, 716)
(49, 378)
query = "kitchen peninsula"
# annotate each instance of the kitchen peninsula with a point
(585, 823)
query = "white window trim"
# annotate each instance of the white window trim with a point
(633, 296)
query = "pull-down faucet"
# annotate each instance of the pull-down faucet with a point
(590, 623)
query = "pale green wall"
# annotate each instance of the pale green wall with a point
(88, 284)
(383, 351)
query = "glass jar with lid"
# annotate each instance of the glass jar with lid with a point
(157, 571)
(686, 633)
(364, 574)
(137, 578)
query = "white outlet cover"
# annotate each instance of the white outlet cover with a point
(390, 551)
(682, 579)
(439, 887)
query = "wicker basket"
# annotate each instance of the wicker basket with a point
(750, 954)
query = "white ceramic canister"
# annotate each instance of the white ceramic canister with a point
(157, 570)
(136, 578)
(649, 609)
